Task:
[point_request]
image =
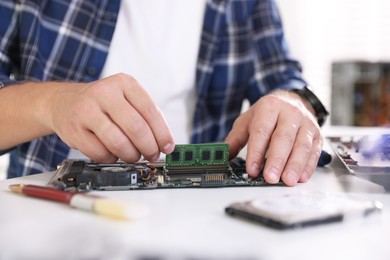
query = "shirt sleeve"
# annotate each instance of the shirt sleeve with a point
(8, 42)
(274, 67)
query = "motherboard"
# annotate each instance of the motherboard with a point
(188, 166)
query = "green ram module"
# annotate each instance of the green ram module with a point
(198, 155)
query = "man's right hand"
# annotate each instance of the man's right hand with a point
(107, 119)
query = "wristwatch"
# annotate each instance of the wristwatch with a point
(320, 110)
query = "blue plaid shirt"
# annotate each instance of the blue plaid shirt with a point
(243, 55)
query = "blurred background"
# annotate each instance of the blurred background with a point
(344, 47)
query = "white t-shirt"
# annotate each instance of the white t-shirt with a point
(157, 42)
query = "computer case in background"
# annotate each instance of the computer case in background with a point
(360, 93)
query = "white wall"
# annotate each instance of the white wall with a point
(3, 166)
(322, 31)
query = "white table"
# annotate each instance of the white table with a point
(189, 224)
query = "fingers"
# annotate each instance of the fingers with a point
(105, 144)
(238, 136)
(87, 142)
(91, 146)
(111, 118)
(298, 157)
(263, 122)
(115, 140)
(312, 161)
(300, 163)
(138, 120)
(280, 147)
(145, 106)
(131, 128)
(288, 136)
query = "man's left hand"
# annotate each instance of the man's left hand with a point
(282, 127)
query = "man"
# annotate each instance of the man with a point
(61, 86)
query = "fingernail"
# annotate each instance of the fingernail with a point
(273, 175)
(168, 148)
(155, 158)
(255, 168)
(305, 176)
(292, 177)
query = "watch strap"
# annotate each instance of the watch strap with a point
(320, 110)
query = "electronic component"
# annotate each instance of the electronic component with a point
(302, 209)
(367, 157)
(198, 155)
(200, 165)
(364, 154)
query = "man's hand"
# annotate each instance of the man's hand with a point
(281, 127)
(109, 119)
